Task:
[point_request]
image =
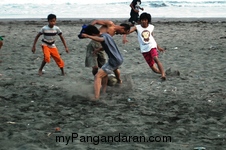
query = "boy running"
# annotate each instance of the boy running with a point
(148, 45)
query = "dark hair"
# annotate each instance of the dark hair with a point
(91, 29)
(144, 16)
(126, 26)
(51, 16)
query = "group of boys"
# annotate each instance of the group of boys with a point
(102, 43)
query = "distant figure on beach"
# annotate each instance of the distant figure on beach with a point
(1, 42)
(48, 43)
(115, 59)
(148, 45)
(96, 58)
(134, 13)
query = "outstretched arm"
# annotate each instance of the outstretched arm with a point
(132, 29)
(95, 38)
(141, 8)
(124, 40)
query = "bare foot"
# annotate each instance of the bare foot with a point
(163, 78)
(39, 72)
(103, 90)
(94, 99)
(119, 81)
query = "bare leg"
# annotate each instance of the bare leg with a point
(160, 68)
(104, 83)
(41, 67)
(62, 71)
(155, 69)
(95, 70)
(97, 83)
(117, 75)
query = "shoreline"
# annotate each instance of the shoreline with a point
(82, 20)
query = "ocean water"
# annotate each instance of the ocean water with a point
(111, 8)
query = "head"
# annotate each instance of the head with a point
(91, 30)
(126, 29)
(145, 19)
(51, 19)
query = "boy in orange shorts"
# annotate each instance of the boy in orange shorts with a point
(48, 47)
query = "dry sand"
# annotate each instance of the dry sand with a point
(190, 107)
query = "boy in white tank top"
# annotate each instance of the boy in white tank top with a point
(148, 45)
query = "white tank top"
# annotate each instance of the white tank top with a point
(145, 38)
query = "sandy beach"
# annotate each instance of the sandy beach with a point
(189, 108)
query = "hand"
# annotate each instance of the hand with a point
(84, 35)
(161, 49)
(124, 41)
(66, 49)
(142, 9)
(95, 51)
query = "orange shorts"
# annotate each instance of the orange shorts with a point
(53, 52)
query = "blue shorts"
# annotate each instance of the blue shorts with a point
(108, 68)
